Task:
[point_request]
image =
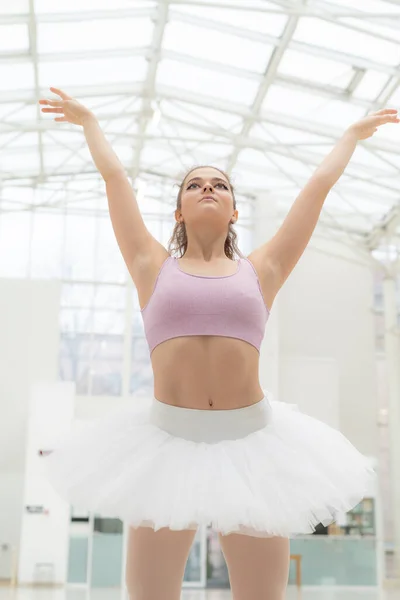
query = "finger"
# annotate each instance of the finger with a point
(63, 95)
(51, 102)
(388, 119)
(380, 119)
(52, 110)
(60, 119)
(385, 111)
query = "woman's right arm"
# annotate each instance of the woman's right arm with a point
(133, 237)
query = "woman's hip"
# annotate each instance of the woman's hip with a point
(210, 426)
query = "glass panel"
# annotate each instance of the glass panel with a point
(14, 111)
(106, 323)
(14, 244)
(110, 265)
(193, 565)
(77, 559)
(291, 137)
(311, 106)
(13, 141)
(371, 84)
(185, 153)
(256, 178)
(192, 113)
(76, 295)
(217, 46)
(14, 7)
(74, 357)
(18, 163)
(217, 571)
(107, 553)
(373, 6)
(334, 37)
(79, 247)
(75, 321)
(46, 246)
(97, 71)
(94, 35)
(254, 20)
(16, 76)
(335, 560)
(361, 519)
(314, 68)
(106, 366)
(141, 382)
(78, 546)
(84, 355)
(154, 156)
(110, 297)
(388, 28)
(206, 82)
(59, 159)
(13, 37)
(49, 6)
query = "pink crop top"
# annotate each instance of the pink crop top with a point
(183, 304)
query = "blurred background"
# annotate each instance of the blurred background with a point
(263, 90)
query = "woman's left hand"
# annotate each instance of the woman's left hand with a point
(367, 126)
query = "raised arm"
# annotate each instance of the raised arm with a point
(133, 237)
(280, 254)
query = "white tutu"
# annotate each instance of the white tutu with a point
(265, 470)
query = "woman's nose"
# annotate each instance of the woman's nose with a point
(208, 187)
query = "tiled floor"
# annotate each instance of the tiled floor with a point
(292, 594)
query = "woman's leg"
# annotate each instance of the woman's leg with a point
(258, 567)
(156, 562)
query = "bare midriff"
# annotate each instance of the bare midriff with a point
(206, 373)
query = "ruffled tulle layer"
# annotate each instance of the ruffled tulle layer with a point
(283, 479)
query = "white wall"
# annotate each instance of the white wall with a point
(11, 498)
(45, 534)
(29, 346)
(319, 347)
(326, 313)
(312, 384)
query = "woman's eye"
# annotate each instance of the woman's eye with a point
(217, 184)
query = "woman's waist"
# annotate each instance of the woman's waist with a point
(211, 425)
(223, 396)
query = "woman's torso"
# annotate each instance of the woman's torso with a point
(202, 372)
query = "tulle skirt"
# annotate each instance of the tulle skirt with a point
(262, 470)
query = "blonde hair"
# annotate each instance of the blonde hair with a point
(179, 242)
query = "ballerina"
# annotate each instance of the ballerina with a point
(211, 447)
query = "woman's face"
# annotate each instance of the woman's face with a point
(206, 194)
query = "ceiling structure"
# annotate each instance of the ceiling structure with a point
(262, 89)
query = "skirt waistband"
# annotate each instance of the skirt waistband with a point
(210, 426)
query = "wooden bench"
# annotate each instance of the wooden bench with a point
(297, 558)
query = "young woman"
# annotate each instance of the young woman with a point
(211, 447)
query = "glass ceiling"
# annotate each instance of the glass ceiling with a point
(262, 89)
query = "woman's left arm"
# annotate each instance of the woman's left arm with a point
(284, 249)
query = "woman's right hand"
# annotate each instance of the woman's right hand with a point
(71, 110)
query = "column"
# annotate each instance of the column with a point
(392, 352)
